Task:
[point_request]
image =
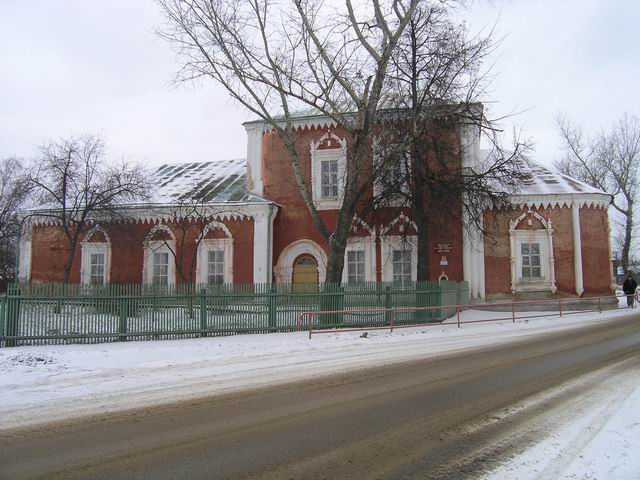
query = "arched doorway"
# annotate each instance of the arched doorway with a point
(305, 273)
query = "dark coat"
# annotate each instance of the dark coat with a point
(629, 286)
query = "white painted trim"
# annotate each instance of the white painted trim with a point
(263, 244)
(284, 267)
(473, 260)
(255, 183)
(25, 255)
(546, 201)
(160, 246)
(577, 248)
(317, 157)
(544, 237)
(87, 248)
(389, 243)
(224, 244)
(368, 246)
(404, 221)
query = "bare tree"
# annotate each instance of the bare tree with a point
(190, 218)
(13, 193)
(76, 187)
(608, 161)
(286, 56)
(436, 80)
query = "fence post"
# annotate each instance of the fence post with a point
(560, 307)
(12, 315)
(392, 316)
(273, 308)
(203, 313)
(122, 324)
(599, 305)
(387, 302)
(310, 315)
(458, 314)
(513, 312)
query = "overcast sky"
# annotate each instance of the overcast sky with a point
(75, 66)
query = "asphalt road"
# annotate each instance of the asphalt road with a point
(449, 417)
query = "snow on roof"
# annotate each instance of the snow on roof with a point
(207, 182)
(545, 181)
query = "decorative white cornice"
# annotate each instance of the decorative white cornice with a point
(357, 221)
(154, 214)
(588, 200)
(404, 222)
(96, 229)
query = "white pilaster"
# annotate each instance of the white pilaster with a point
(254, 158)
(577, 247)
(263, 243)
(24, 259)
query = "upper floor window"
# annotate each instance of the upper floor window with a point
(392, 167)
(328, 171)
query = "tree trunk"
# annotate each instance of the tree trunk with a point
(626, 245)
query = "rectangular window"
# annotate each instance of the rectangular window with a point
(530, 253)
(96, 269)
(355, 266)
(329, 180)
(161, 268)
(392, 179)
(215, 267)
(401, 266)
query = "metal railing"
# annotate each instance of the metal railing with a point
(333, 321)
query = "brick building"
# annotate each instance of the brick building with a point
(244, 221)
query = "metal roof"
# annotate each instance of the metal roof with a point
(218, 181)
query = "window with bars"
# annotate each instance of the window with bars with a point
(96, 269)
(530, 254)
(329, 178)
(401, 266)
(215, 267)
(160, 268)
(355, 266)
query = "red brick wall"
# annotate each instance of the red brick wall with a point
(294, 222)
(595, 256)
(50, 247)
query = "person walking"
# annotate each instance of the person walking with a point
(629, 288)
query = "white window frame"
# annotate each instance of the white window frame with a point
(378, 187)
(317, 157)
(368, 245)
(545, 282)
(89, 248)
(158, 246)
(388, 244)
(224, 244)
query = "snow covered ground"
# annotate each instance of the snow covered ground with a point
(48, 383)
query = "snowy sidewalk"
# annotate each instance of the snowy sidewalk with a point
(49, 383)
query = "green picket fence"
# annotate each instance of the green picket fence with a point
(39, 314)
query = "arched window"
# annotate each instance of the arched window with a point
(159, 266)
(95, 262)
(215, 255)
